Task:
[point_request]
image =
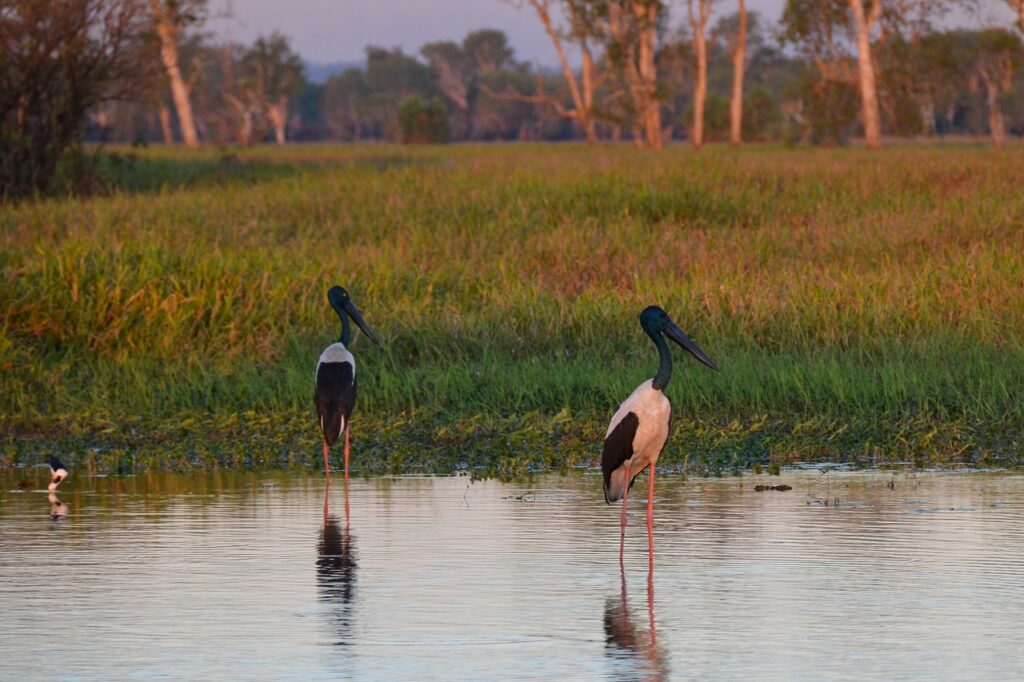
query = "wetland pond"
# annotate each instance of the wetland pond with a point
(848, 575)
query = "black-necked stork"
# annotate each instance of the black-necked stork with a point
(58, 472)
(639, 428)
(336, 377)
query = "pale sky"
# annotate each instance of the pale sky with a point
(328, 31)
(338, 30)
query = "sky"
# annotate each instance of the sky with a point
(329, 31)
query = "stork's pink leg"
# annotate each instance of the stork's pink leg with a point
(346, 451)
(650, 524)
(346, 504)
(327, 466)
(650, 605)
(327, 494)
(622, 522)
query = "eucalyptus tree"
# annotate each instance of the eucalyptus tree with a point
(627, 31)
(457, 69)
(583, 34)
(997, 54)
(271, 73)
(454, 71)
(830, 31)
(392, 77)
(738, 50)
(343, 104)
(631, 29)
(488, 49)
(171, 18)
(698, 13)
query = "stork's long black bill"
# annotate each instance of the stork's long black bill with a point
(350, 308)
(673, 332)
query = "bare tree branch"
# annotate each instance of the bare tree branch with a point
(540, 98)
(582, 27)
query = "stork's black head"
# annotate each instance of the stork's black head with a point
(338, 297)
(343, 305)
(654, 320)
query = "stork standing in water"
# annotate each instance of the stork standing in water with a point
(639, 428)
(336, 377)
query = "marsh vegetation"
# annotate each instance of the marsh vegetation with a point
(865, 307)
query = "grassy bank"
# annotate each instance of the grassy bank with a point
(861, 306)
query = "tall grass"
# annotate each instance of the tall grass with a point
(849, 292)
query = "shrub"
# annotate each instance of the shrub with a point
(61, 58)
(423, 121)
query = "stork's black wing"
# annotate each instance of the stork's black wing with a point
(618, 447)
(56, 464)
(335, 397)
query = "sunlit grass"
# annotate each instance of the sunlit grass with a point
(857, 303)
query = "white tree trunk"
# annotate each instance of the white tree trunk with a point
(165, 124)
(179, 90)
(996, 122)
(994, 74)
(647, 16)
(698, 24)
(586, 117)
(245, 129)
(870, 112)
(278, 115)
(739, 66)
(700, 88)
(927, 108)
(357, 130)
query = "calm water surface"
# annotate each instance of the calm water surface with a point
(240, 576)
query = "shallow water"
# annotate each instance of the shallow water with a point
(240, 576)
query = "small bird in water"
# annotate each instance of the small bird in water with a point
(336, 377)
(58, 472)
(639, 428)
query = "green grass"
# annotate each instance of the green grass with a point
(862, 306)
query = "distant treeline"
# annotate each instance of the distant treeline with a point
(801, 84)
(149, 70)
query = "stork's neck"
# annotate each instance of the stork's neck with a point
(660, 380)
(346, 330)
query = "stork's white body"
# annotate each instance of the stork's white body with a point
(653, 412)
(336, 353)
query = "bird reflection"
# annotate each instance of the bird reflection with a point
(626, 641)
(336, 570)
(58, 510)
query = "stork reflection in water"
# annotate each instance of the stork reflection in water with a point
(336, 570)
(626, 641)
(58, 510)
